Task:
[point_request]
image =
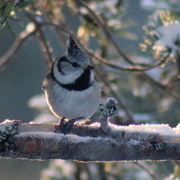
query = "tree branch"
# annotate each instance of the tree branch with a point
(89, 142)
(15, 47)
(42, 40)
(104, 29)
(132, 68)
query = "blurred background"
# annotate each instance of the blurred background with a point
(130, 34)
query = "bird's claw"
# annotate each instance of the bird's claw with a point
(65, 127)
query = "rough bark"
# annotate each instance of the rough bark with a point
(88, 143)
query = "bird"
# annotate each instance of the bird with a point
(71, 89)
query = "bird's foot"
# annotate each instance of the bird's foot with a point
(65, 127)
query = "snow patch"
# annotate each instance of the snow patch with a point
(169, 36)
(163, 129)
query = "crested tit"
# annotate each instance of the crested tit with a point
(70, 87)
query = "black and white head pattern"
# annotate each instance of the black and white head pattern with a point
(73, 68)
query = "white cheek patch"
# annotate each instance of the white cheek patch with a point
(70, 78)
(67, 79)
(91, 77)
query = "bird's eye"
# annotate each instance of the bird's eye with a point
(74, 64)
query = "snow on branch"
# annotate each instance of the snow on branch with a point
(89, 142)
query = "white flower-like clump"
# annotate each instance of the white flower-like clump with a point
(169, 38)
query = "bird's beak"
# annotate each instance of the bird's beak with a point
(90, 67)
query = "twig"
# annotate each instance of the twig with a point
(108, 109)
(105, 30)
(15, 47)
(159, 85)
(101, 171)
(48, 57)
(89, 173)
(44, 47)
(133, 68)
(104, 61)
(142, 166)
(42, 40)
